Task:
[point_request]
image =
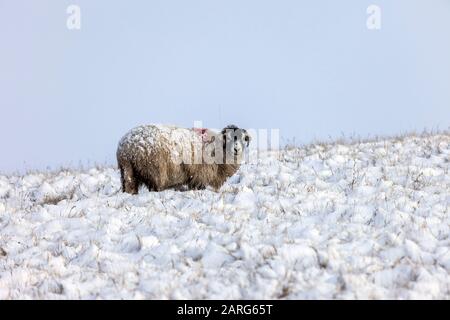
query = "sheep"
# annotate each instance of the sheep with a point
(168, 157)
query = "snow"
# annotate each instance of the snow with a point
(363, 220)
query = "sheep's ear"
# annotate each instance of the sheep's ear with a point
(248, 138)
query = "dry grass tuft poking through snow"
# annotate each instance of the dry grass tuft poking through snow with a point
(362, 220)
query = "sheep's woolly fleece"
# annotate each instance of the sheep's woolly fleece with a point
(172, 138)
(363, 220)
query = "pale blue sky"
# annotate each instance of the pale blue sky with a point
(310, 68)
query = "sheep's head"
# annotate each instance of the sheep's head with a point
(235, 141)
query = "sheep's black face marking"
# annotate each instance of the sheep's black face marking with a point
(235, 140)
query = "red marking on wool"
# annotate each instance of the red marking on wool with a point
(202, 133)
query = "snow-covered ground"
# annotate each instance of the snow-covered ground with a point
(332, 220)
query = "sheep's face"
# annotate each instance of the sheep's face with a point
(235, 141)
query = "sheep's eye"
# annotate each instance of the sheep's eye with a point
(246, 139)
(235, 138)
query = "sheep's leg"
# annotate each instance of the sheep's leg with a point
(199, 187)
(195, 185)
(150, 186)
(180, 187)
(122, 178)
(130, 184)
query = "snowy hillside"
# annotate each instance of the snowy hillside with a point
(363, 220)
